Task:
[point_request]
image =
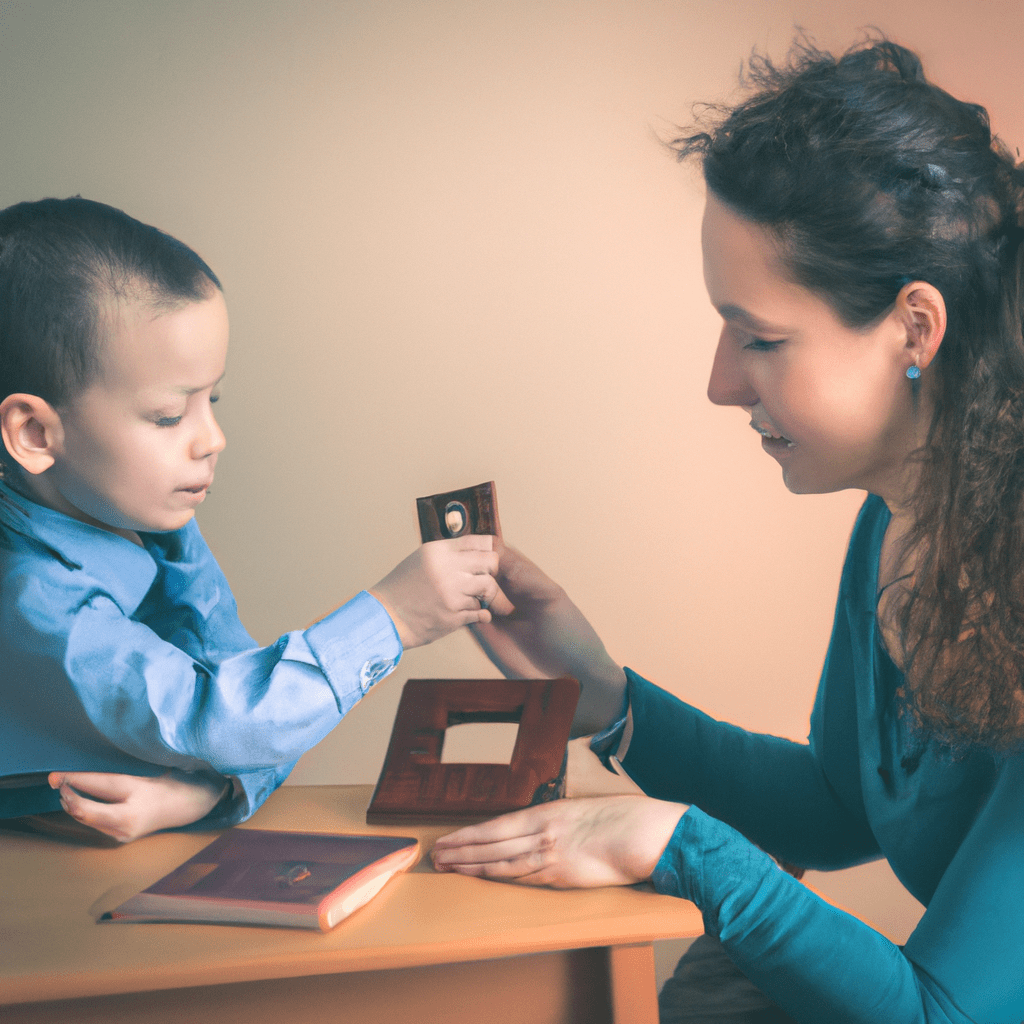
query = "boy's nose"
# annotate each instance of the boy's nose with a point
(209, 441)
(728, 384)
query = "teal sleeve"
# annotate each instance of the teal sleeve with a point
(963, 965)
(815, 961)
(771, 790)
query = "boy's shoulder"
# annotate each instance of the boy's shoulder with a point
(52, 557)
(41, 575)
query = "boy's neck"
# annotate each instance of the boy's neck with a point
(39, 490)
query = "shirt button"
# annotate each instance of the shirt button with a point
(373, 672)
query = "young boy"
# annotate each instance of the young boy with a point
(120, 644)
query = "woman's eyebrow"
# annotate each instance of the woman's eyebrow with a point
(738, 315)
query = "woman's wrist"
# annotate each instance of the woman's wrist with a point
(602, 700)
(654, 834)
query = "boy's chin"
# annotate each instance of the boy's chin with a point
(170, 523)
(165, 523)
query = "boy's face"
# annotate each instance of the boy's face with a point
(140, 444)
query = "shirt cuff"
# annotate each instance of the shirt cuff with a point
(356, 646)
(606, 743)
(667, 876)
(245, 795)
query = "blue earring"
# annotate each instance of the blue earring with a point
(914, 371)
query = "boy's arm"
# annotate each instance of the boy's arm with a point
(153, 703)
(258, 709)
(133, 674)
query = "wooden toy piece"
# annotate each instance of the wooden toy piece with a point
(457, 513)
(415, 786)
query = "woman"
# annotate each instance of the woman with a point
(862, 243)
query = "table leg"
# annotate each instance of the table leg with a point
(632, 986)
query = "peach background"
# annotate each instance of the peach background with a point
(454, 250)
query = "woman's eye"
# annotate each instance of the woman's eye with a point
(214, 399)
(168, 421)
(761, 345)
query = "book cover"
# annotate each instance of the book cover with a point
(268, 877)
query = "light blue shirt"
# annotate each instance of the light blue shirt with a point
(120, 658)
(867, 785)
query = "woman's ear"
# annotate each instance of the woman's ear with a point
(32, 431)
(922, 311)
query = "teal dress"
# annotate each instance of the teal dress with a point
(866, 785)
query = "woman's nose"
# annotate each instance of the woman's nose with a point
(728, 384)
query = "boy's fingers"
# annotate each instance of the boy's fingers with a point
(475, 562)
(99, 785)
(80, 808)
(467, 542)
(110, 819)
(475, 542)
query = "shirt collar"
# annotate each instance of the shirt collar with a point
(125, 570)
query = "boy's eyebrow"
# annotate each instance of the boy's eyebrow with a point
(194, 391)
(738, 315)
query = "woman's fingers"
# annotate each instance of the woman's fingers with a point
(508, 851)
(614, 840)
(484, 594)
(509, 826)
(497, 602)
(529, 869)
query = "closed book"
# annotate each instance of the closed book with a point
(267, 877)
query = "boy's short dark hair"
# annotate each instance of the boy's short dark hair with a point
(59, 260)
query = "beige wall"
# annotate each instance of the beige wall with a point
(453, 250)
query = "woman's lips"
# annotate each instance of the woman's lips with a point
(772, 436)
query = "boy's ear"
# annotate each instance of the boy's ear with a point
(32, 431)
(922, 311)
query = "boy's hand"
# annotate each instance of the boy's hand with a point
(441, 586)
(547, 636)
(129, 806)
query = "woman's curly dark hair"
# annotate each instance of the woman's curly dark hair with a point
(868, 176)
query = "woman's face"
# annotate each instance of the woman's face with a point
(832, 404)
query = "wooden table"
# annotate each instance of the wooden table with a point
(431, 947)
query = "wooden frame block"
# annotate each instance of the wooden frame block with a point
(415, 786)
(458, 513)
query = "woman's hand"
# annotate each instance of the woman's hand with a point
(129, 806)
(547, 636)
(442, 585)
(565, 844)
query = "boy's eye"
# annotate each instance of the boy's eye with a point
(214, 399)
(761, 345)
(168, 421)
